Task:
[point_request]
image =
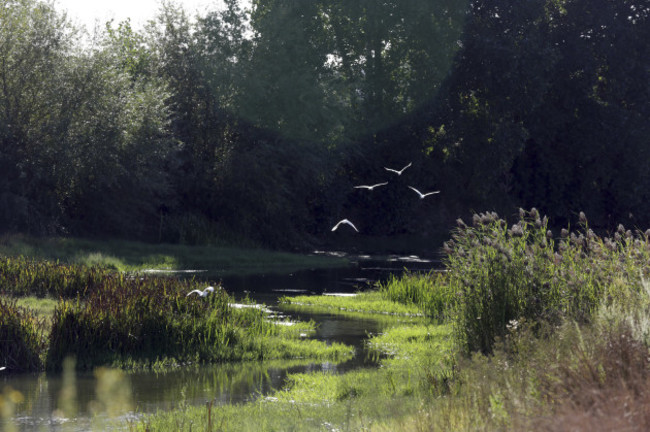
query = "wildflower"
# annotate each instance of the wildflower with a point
(564, 233)
(516, 231)
(583, 218)
(512, 325)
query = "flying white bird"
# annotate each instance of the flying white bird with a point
(400, 171)
(3, 368)
(370, 187)
(344, 221)
(422, 196)
(203, 293)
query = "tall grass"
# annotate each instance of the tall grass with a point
(145, 320)
(503, 274)
(111, 318)
(431, 293)
(21, 338)
(21, 276)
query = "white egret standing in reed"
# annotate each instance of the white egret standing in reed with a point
(344, 221)
(422, 196)
(203, 293)
(370, 187)
(400, 171)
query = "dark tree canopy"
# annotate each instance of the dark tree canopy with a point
(254, 125)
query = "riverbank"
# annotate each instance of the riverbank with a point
(525, 331)
(100, 317)
(126, 256)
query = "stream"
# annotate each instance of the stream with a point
(225, 383)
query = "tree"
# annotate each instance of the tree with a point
(34, 41)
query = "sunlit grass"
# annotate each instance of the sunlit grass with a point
(369, 302)
(41, 307)
(359, 399)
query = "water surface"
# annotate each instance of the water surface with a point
(226, 383)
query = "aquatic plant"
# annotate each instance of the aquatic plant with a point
(368, 302)
(430, 292)
(502, 274)
(21, 338)
(21, 276)
(146, 320)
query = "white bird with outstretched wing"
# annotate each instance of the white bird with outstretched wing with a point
(370, 187)
(398, 172)
(344, 221)
(422, 196)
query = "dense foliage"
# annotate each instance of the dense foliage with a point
(21, 338)
(109, 318)
(255, 124)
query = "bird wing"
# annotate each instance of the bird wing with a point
(380, 184)
(363, 187)
(210, 289)
(194, 292)
(431, 193)
(416, 191)
(344, 221)
(402, 170)
(392, 170)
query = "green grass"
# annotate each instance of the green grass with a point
(364, 398)
(369, 302)
(134, 256)
(540, 333)
(107, 318)
(42, 308)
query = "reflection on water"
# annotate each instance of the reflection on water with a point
(153, 391)
(42, 408)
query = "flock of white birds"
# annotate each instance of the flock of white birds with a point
(372, 187)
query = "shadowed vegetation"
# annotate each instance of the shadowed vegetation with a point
(137, 256)
(109, 318)
(541, 333)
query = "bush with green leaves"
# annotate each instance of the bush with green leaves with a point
(501, 274)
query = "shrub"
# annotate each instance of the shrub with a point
(502, 274)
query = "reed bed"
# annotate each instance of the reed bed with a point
(503, 274)
(110, 318)
(21, 276)
(21, 338)
(430, 293)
